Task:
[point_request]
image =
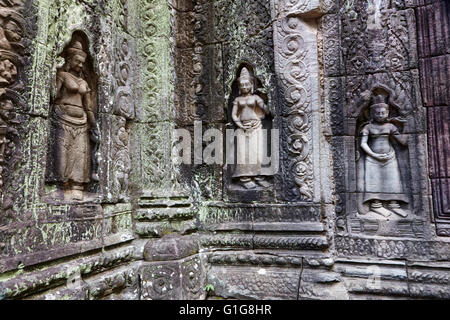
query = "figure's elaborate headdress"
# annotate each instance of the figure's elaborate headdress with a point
(380, 99)
(245, 75)
(76, 49)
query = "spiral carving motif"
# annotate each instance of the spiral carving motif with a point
(295, 75)
(160, 282)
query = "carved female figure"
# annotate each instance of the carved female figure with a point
(73, 112)
(381, 179)
(248, 111)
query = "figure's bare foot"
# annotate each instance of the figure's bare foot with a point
(263, 182)
(377, 207)
(77, 195)
(395, 208)
(67, 195)
(382, 211)
(247, 183)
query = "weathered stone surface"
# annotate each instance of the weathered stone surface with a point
(154, 145)
(347, 100)
(182, 279)
(171, 247)
(151, 228)
(386, 280)
(199, 85)
(321, 284)
(254, 283)
(220, 216)
(119, 284)
(438, 119)
(332, 55)
(391, 248)
(434, 51)
(63, 273)
(364, 279)
(434, 87)
(433, 28)
(377, 38)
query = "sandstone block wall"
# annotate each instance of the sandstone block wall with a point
(151, 228)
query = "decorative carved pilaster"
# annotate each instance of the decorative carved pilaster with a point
(292, 65)
(124, 102)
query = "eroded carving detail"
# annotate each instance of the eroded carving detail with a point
(375, 36)
(161, 282)
(12, 26)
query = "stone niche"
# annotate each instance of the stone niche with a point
(72, 164)
(283, 58)
(368, 49)
(248, 178)
(354, 167)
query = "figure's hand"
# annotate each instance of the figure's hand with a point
(381, 156)
(240, 125)
(91, 119)
(399, 119)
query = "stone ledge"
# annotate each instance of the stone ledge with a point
(50, 277)
(171, 247)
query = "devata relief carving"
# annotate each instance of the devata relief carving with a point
(379, 177)
(74, 124)
(248, 112)
(224, 149)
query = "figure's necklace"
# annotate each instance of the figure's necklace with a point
(79, 80)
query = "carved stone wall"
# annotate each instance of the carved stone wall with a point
(16, 34)
(370, 45)
(51, 240)
(340, 79)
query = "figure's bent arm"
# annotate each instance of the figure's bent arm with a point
(365, 146)
(234, 114)
(87, 101)
(262, 105)
(400, 138)
(59, 84)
